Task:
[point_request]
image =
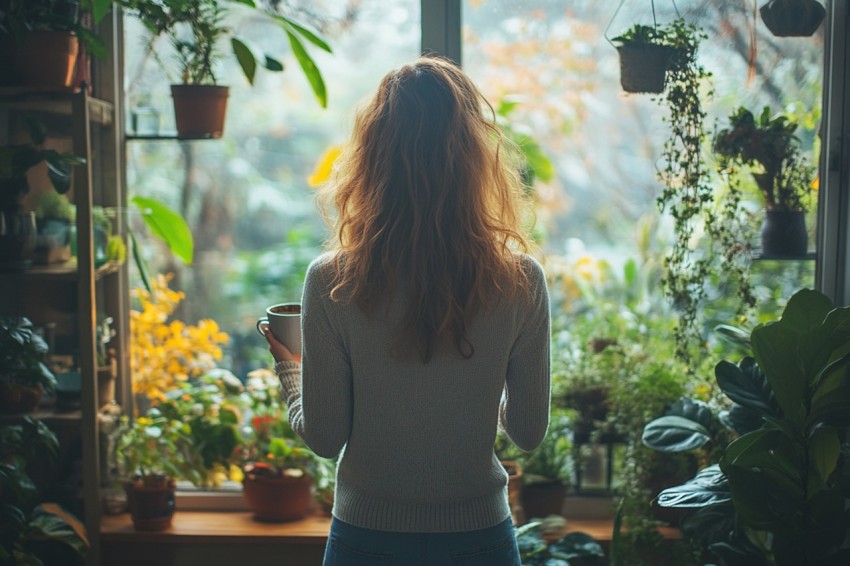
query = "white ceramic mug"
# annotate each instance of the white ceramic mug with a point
(284, 320)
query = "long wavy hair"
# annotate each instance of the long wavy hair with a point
(428, 198)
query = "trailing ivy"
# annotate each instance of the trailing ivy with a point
(694, 203)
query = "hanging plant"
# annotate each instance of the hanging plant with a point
(792, 18)
(690, 198)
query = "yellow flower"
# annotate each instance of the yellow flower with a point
(324, 166)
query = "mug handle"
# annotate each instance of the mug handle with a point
(261, 322)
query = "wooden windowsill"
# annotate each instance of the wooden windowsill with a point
(228, 527)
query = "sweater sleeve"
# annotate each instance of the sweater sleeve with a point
(524, 412)
(319, 395)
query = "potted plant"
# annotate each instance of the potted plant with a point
(646, 52)
(778, 495)
(547, 470)
(792, 18)
(279, 468)
(768, 147)
(54, 216)
(33, 531)
(43, 39)
(17, 239)
(24, 378)
(150, 453)
(194, 29)
(538, 546)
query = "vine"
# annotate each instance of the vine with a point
(693, 202)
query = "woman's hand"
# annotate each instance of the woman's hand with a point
(280, 352)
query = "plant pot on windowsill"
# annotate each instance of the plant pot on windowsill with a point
(274, 497)
(199, 110)
(783, 234)
(151, 502)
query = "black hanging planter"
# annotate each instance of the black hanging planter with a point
(643, 68)
(783, 234)
(792, 18)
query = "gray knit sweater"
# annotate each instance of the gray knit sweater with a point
(417, 438)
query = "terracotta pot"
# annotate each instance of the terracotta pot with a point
(199, 110)
(16, 398)
(792, 18)
(277, 498)
(783, 234)
(151, 502)
(543, 499)
(643, 68)
(46, 59)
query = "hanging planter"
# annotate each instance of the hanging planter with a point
(792, 18)
(199, 110)
(643, 67)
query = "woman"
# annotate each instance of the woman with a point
(423, 330)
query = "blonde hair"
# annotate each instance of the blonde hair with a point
(428, 196)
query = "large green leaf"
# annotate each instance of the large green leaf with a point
(51, 522)
(746, 385)
(824, 450)
(806, 310)
(741, 420)
(760, 502)
(304, 32)
(675, 434)
(311, 71)
(245, 58)
(708, 487)
(766, 448)
(168, 225)
(99, 9)
(775, 347)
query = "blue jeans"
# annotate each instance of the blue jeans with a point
(354, 546)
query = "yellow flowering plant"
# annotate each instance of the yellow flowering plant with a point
(166, 352)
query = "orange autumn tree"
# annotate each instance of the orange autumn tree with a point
(165, 352)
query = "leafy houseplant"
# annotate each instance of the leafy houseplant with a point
(279, 469)
(646, 53)
(150, 453)
(779, 495)
(536, 549)
(197, 94)
(768, 147)
(43, 38)
(23, 376)
(31, 531)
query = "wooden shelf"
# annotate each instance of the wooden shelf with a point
(47, 414)
(55, 102)
(62, 271)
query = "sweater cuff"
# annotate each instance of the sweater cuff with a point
(289, 374)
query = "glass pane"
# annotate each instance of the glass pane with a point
(247, 197)
(559, 64)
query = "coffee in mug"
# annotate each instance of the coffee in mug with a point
(284, 321)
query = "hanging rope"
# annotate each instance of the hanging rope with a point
(654, 17)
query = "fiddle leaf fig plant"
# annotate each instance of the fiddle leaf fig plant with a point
(780, 487)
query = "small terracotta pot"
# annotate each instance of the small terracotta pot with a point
(151, 502)
(277, 498)
(199, 110)
(46, 59)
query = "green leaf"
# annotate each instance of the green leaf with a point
(168, 225)
(708, 487)
(141, 264)
(99, 8)
(577, 545)
(304, 32)
(775, 347)
(246, 59)
(824, 450)
(311, 71)
(272, 64)
(59, 527)
(746, 385)
(675, 434)
(806, 310)
(58, 170)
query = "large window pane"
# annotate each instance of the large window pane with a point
(246, 196)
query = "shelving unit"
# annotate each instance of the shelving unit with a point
(77, 294)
